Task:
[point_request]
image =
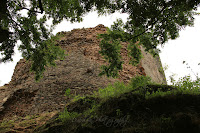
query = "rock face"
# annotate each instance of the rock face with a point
(78, 71)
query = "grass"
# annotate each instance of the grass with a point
(119, 87)
(112, 91)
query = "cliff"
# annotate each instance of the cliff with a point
(78, 71)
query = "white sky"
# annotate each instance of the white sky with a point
(185, 48)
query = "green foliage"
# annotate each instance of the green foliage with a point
(149, 22)
(67, 92)
(160, 93)
(162, 69)
(152, 23)
(110, 49)
(118, 88)
(135, 54)
(160, 120)
(186, 85)
(45, 55)
(91, 112)
(140, 84)
(111, 52)
(86, 112)
(112, 90)
(77, 97)
(140, 81)
(65, 115)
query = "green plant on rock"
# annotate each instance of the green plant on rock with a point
(112, 90)
(77, 97)
(118, 88)
(161, 70)
(67, 92)
(65, 115)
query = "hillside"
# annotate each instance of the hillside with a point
(162, 112)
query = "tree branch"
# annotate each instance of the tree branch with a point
(152, 23)
(31, 10)
(40, 6)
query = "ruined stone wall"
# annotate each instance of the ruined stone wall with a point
(78, 71)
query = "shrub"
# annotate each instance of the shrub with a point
(140, 81)
(65, 115)
(188, 86)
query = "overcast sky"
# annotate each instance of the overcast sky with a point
(185, 48)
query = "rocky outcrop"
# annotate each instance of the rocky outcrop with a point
(153, 67)
(78, 71)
